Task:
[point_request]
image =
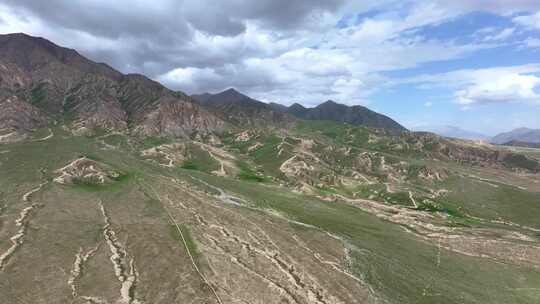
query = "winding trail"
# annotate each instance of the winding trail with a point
(51, 135)
(212, 152)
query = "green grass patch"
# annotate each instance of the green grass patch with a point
(38, 94)
(154, 141)
(521, 161)
(189, 241)
(190, 165)
(247, 174)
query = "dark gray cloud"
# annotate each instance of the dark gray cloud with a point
(109, 19)
(281, 50)
(156, 36)
(277, 14)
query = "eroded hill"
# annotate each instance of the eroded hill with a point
(313, 215)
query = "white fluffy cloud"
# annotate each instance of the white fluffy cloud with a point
(515, 84)
(343, 64)
(501, 88)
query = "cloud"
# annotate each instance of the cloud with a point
(154, 37)
(505, 88)
(502, 7)
(529, 21)
(532, 42)
(514, 84)
(502, 35)
(277, 50)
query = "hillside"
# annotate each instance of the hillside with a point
(355, 115)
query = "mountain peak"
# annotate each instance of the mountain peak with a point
(355, 115)
(329, 103)
(232, 92)
(297, 106)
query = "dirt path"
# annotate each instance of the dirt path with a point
(221, 157)
(51, 135)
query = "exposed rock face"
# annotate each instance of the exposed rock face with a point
(64, 85)
(177, 118)
(84, 170)
(18, 115)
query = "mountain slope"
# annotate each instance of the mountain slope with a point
(64, 85)
(241, 110)
(524, 135)
(355, 115)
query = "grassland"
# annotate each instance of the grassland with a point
(396, 264)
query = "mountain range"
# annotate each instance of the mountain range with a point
(241, 110)
(42, 82)
(354, 115)
(516, 136)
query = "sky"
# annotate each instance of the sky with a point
(474, 64)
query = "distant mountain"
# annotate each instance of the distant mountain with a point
(523, 135)
(453, 132)
(41, 82)
(241, 110)
(355, 115)
(298, 110)
(515, 143)
(277, 107)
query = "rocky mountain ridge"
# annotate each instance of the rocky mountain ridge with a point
(57, 83)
